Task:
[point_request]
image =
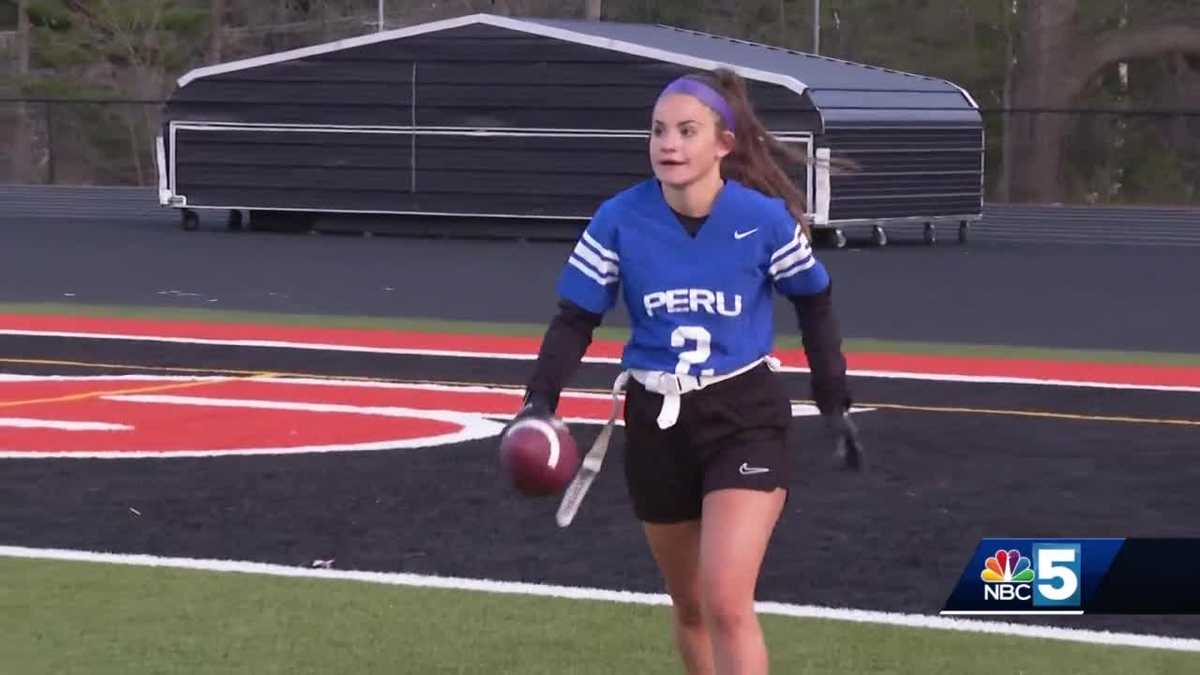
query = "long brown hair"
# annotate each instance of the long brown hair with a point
(758, 159)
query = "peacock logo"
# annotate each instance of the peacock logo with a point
(1007, 567)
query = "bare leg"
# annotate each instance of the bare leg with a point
(676, 549)
(736, 526)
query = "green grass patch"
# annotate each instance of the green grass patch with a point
(427, 325)
(70, 617)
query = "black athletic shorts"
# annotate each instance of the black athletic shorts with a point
(732, 434)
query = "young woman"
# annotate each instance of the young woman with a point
(696, 252)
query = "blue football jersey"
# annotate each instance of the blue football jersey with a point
(698, 305)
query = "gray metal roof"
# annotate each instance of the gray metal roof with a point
(843, 91)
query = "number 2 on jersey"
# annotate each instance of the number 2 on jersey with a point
(693, 357)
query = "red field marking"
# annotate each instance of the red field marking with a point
(64, 392)
(43, 389)
(349, 337)
(150, 416)
(169, 428)
(218, 418)
(384, 339)
(484, 401)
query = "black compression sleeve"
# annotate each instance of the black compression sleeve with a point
(563, 346)
(822, 337)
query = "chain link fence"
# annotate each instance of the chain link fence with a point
(1129, 157)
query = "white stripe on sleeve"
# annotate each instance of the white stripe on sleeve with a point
(791, 246)
(807, 264)
(603, 251)
(798, 239)
(799, 256)
(601, 266)
(590, 273)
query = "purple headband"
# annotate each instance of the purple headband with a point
(705, 94)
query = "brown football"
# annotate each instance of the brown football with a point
(539, 456)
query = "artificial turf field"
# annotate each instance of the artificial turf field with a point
(952, 461)
(72, 617)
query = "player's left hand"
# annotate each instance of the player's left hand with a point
(848, 448)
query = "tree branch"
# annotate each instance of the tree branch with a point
(1127, 45)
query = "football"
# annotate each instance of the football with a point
(539, 456)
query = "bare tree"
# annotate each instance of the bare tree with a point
(783, 31)
(216, 20)
(23, 37)
(1056, 62)
(595, 8)
(728, 17)
(142, 42)
(1007, 154)
(22, 142)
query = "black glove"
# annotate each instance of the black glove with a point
(831, 394)
(535, 405)
(848, 449)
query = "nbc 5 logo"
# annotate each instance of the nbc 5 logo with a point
(1050, 579)
(1058, 574)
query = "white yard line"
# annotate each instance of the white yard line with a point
(626, 597)
(522, 356)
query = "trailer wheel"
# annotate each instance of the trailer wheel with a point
(930, 234)
(234, 222)
(964, 230)
(189, 220)
(879, 236)
(839, 238)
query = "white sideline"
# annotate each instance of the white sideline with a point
(515, 356)
(625, 597)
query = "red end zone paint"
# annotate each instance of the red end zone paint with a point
(154, 416)
(215, 416)
(222, 417)
(170, 429)
(1031, 369)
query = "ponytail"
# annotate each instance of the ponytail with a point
(758, 159)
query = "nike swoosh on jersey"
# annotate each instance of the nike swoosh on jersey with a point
(746, 470)
(743, 235)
